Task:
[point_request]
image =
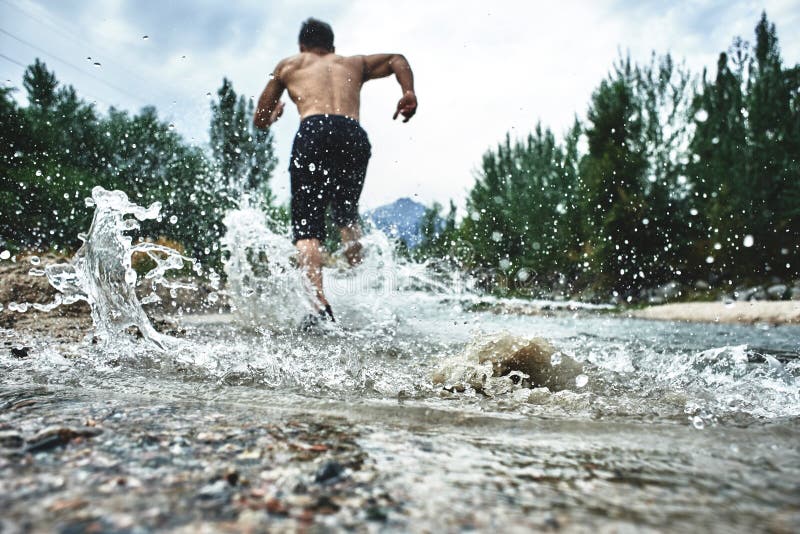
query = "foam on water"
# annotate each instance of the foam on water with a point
(408, 330)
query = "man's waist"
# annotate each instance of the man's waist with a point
(322, 117)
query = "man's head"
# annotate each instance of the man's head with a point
(316, 34)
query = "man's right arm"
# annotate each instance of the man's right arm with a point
(382, 65)
(270, 108)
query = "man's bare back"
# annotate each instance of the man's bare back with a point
(321, 82)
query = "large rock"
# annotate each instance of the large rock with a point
(777, 291)
(493, 362)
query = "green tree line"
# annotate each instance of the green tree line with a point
(669, 177)
(57, 148)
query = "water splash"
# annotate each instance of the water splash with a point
(264, 286)
(101, 274)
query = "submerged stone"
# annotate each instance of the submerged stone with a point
(328, 472)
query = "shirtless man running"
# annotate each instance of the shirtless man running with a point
(330, 151)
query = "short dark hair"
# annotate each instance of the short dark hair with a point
(316, 34)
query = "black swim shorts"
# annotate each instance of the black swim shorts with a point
(328, 165)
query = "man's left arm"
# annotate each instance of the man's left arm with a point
(270, 107)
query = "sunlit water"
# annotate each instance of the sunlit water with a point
(651, 423)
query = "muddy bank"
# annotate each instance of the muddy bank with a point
(752, 312)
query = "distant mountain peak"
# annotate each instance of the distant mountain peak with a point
(400, 219)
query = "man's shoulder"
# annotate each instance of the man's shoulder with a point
(290, 60)
(287, 65)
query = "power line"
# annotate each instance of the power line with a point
(73, 34)
(14, 61)
(92, 99)
(64, 61)
(48, 23)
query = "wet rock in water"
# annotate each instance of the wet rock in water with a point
(213, 496)
(55, 436)
(11, 439)
(232, 477)
(745, 293)
(329, 472)
(518, 360)
(759, 294)
(169, 327)
(777, 291)
(20, 351)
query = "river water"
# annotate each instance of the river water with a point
(619, 424)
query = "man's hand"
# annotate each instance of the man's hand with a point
(276, 113)
(407, 106)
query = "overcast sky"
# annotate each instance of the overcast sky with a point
(482, 68)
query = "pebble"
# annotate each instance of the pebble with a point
(11, 439)
(329, 472)
(20, 351)
(56, 436)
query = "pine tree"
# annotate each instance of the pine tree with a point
(771, 164)
(614, 172)
(244, 156)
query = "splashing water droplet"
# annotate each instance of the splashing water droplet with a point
(173, 219)
(34, 260)
(581, 380)
(701, 115)
(5, 255)
(697, 422)
(555, 359)
(748, 241)
(108, 250)
(312, 167)
(18, 307)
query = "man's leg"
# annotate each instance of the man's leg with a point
(350, 243)
(311, 263)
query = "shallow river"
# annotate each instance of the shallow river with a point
(677, 427)
(238, 425)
